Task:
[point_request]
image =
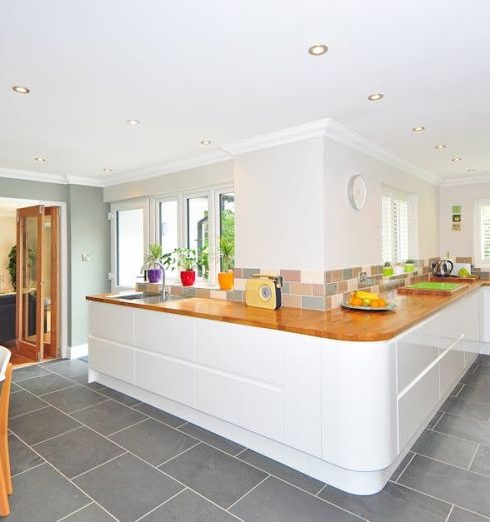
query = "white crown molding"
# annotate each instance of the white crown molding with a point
(30, 175)
(276, 138)
(88, 182)
(473, 180)
(167, 168)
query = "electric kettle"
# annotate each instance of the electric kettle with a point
(442, 268)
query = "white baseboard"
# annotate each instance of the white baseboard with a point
(74, 352)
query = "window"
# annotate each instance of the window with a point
(226, 220)
(483, 232)
(197, 219)
(129, 233)
(168, 228)
(395, 229)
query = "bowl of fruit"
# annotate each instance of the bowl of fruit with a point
(368, 301)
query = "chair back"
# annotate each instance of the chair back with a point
(4, 361)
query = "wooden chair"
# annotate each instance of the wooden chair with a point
(5, 478)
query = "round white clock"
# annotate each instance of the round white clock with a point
(357, 192)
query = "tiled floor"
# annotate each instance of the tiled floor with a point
(85, 453)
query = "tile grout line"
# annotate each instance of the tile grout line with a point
(53, 437)
(474, 456)
(98, 465)
(178, 455)
(30, 469)
(449, 514)
(87, 407)
(321, 489)
(74, 512)
(126, 428)
(27, 413)
(233, 504)
(451, 465)
(405, 468)
(240, 452)
(160, 505)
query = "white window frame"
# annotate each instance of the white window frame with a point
(224, 189)
(132, 204)
(477, 230)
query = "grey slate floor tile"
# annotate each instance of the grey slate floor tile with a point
(47, 383)
(43, 495)
(401, 467)
(276, 501)
(189, 507)
(461, 515)
(476, 431)
(211, 438)
(69, 368)
(74, 398)
(28, 372)
(280, 470)
(480, 379)
(119, 397)
(467, 408)
(91, 513)
(127, 487)
(78, 451)
(393, 503)
(446, 448)
(24, 402)
(214, 474)
(41, 425)
(22, 457)
(434, 420)
(14, 388)
(153, 441)
(160, 415)
(108, 417)
(481, 464)
(463, 488)
(473, 393)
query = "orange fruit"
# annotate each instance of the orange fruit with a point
(357, 301)
(375, 303)
(382, 302)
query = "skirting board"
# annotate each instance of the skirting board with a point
(80, 350)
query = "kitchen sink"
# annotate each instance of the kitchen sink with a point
(145, 297)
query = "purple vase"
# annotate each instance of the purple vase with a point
(154, 275)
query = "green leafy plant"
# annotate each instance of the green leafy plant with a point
(409, 262)
(387, 264)
(203, 260)
(12, 266)
(183, 258)
(154, 256)
(226, 253)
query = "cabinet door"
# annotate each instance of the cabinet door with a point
(112, 322)
(485, 315)
(451, 367)
(452, 324)
(112, 359)
(472, 323)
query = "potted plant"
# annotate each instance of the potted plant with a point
(409, 265)
(387, 269)
(12, 266)
(185, 259)
(226, 254)
(154, 260)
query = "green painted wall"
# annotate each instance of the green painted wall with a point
(88, 232)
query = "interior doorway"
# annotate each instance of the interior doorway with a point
(33, 279)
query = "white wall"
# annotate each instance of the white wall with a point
(353, 238)
(8, 231)
(279, 207)
(459, 243)
(205, 176)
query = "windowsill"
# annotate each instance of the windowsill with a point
(197, 284)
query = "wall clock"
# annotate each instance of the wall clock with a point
(357, 192)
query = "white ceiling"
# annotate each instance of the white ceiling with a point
(226, 70)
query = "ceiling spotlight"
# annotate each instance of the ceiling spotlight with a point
(206, 142)
(418, 129)
(470, 171)
(20, 89)
(456, 159)
(440, 147)
(133, 122)
(318, 49)
(375, 97)
(40, 159)
(106, 170)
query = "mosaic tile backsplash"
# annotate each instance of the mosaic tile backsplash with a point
(322, 290)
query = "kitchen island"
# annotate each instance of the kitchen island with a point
(338, 395)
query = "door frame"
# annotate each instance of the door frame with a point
(63, 246)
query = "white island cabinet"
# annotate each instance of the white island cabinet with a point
(343, 412)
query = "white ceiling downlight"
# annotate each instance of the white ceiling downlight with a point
(133, 122)
(456, 159)
(106, 170)
(375, 97)
(419, 128)
(205, 142)
(470, 171)
(40, 159)
(440, 146)
(317, 49)
(20, 89)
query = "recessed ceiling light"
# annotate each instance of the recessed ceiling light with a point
(457, 159)
(375, 97)
(106, 170)
(206, 142)
(470, 171)
(40, 159)
(440, 147)
(318, 49)
(418, 129)
(133, 122)
(20, 89)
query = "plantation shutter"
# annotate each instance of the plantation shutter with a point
(394, 229)
(485, 232)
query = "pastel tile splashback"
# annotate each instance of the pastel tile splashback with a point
(321, 290)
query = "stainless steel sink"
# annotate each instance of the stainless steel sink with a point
(144, 297)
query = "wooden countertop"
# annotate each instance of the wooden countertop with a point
(341, 324)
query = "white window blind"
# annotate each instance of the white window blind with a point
(485, 232)
(394, 226)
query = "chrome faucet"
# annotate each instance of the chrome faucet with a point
(163, 278)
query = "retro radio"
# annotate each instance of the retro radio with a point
(264, 291)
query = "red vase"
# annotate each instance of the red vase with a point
(188, 277)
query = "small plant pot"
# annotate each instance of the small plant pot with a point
(409, 267)
(226, 280)
(398, 270)
(188, 277)
(388, 271)
(154, 275)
